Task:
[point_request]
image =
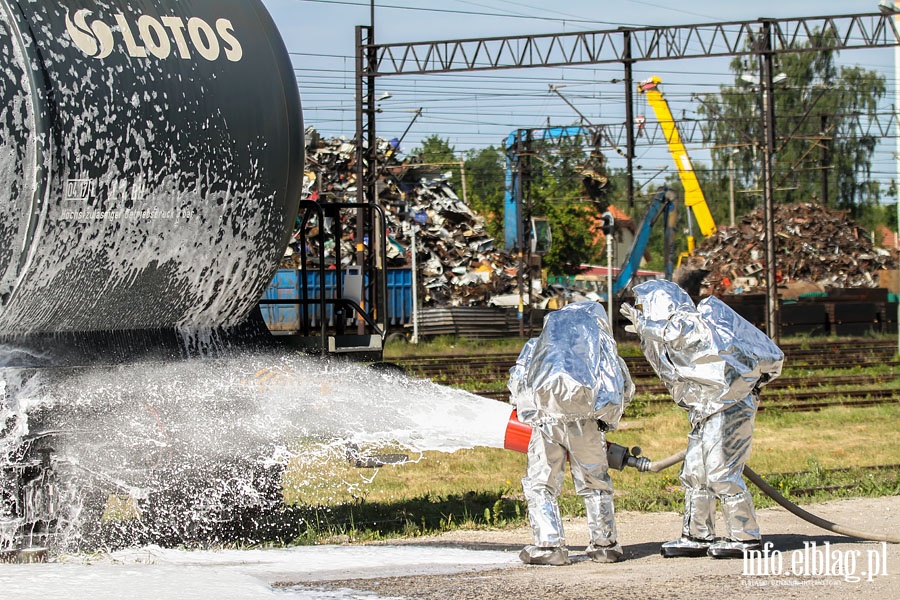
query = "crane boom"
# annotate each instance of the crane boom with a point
(693, 194)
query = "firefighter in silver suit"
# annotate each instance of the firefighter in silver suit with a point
(571, 386)
(714, 363)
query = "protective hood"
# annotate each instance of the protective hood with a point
(708, 356)
(751, 358)
(517, 374)
(660, 299)
(572, 371)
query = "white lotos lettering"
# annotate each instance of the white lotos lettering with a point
(204, 37)
(233, 50)
(134, 49)
(155, 37)
(176, 26)
(94, 40)
(152, 36)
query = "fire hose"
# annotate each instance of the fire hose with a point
(619, 457)
(768, 490)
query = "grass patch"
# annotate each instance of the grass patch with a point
(456, 346)
(818, 484)
(480, 487)
(438, 474)
(796, 452)
(361, 521)
(886, 370)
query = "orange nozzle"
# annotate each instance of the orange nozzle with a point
(518, 434)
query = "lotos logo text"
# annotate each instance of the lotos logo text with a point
(149, 36)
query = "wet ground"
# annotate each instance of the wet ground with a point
(804, 562)
(813, 562)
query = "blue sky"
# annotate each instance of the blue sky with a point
(475, 111)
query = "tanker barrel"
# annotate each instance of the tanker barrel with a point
(151, 163)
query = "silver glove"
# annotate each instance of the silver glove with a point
(632, 314)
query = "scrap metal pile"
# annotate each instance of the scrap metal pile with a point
(816, 247)
(456, 257)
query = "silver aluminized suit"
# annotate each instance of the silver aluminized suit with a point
(713, 362)
(571, 386)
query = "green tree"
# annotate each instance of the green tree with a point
(486, 184)
(438, 153)
(434, 149)
(573, 239)
(556, 192)
(820, 154)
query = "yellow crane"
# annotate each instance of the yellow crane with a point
(693, 194)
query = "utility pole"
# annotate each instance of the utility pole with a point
(609, 226)
(773, 329)
(897, 113)
(731, 186)
(462, 176)
(413, 228)
(520, 239)
(825, 160)
(893, 9)
(629, 114)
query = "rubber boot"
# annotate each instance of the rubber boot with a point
(685, 546)
(605, 554)
(698, 527)
(536, 555)
(740, 517)
(601, 519)
(699, 514)
(733, 548)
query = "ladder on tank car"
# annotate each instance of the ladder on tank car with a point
(335, 310)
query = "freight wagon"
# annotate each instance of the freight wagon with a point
(285, 319)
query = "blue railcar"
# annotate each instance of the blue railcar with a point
(285, 319)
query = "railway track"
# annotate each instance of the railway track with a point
(791, 402)
(828, 379)
(820, 356)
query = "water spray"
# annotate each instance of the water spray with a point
(151, 185)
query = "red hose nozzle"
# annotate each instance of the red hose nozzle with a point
(518, 434)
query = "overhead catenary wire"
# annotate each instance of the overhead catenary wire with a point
(460, 12)
(456, 93)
